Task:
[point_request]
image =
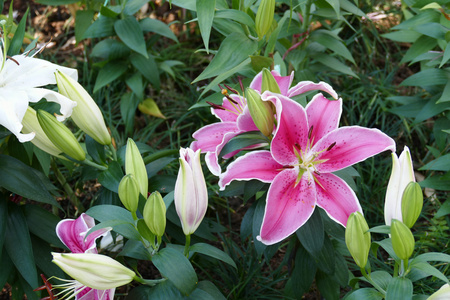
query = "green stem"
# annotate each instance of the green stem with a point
(395, 269)
(113, 151)
(70, 193)
(149, 282)
(93, 164)
(375, 285)
(186, 247)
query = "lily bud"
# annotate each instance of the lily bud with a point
(357, 238)
(155, 214)
(94, 270)
(261, 111)
(60, 135)
(86, 114)
(191, 195)
(402, 174)
(412, 203)
(129, 192)
(134, 164)
(269, 82)
(402, 239)
(264, 17)
(31, 124)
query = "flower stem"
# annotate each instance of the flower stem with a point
(113, 151)
(375, 285)
(70, 193)
(149, 282)
(188, 244)
(93, 164)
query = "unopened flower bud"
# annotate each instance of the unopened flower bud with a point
(94, 270)
(155, 214)
(86, 114)
(357, 238)
(412, 203)
(134, 164)
(269, 83)
(60, 135)
(261, 111)
(264, 17)
(129, 192)
(402, 239)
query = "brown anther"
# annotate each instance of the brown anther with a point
(297, 147)
(310, 132)
(241, 84)
(213, 105)
(9, 57)
(231, 100)
(317, 173)
(331, 146)
(231, 89)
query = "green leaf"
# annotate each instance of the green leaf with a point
(101, 27)
(432, 256)
(258, 216)
(443, 211)
(437, 182)
(110, 49)
(43, 258)
(334, 64)
(260, 62)
(176, 267)
(212, 251)
(43, 224)
(7, 268)
(422, 45)
(243, 140)
(15, 175)
(434, 30)
(158, 27)
(351, 8)
(236, 15)
(17, 40)
(104, 213)
(404, 36)
(427, 77)
(133, 6)
(381, 229)
(163, 291)
(83, 21)
(147, 67)
(325, 258)
(331, 42)
(400, 288)
(110, 72)
(304, 272)
(122, 227)
(233, 50)
(446, 56)
(382, 278)
(135, 249)
(311, 234)
(336, 6)
(426, 16)
(386, 244)
(111, 178)
(211, 289)
(95, 150)
(439, 164)
(364, 293)
(3, 221)
(328, 288)
(130, 32)
(56, 2)
(205, 14)
(18, 245)
(429, 270)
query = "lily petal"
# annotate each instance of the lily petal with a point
(245, 121)
(292, 130)
(352, 144)
(92, 294)
(306, 86)
(210, 136)
(288, 206)
(231, 111)
(336, 198)
(284, 82)
(13, 107)
(323, 116)
(67, 105)
(253, 165)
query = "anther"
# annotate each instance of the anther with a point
(213, 105)
(297, 146)
(9, 57)
(331, 146)
(231, 89)
(310, 132)
(231, 100)
(317, 172)
(241, 84)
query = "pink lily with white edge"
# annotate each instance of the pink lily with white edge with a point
(73, 234)
(235, 118)
(307, 147)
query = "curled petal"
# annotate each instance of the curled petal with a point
(352, 144)
(288, 206)
(292, 130)
(13, 107)
(210, 136)
(284, 82)
(306, 86)
(336, 198)
(323, 116)
(253, 165)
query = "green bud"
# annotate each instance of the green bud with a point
(155, 214)
(60, 135)
(357, 238)
(134, 164)
(269, 83)
(412, 202)
(264, 17)
(129, 192)
(86, 114)
(261, 111)
(402, 239)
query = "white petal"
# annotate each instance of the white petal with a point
(13, 107)
(393, 204)
(67, 105)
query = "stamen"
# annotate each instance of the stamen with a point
(224, 92)
(47, 286)
(229, 98)
(331, 146)
(310, 132)
(317, 172)
(216, 106)
(9, 57)
(231, 89)
(241, 84)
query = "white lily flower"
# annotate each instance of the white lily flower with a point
(20, 79)
(402, 174)
(442, 294)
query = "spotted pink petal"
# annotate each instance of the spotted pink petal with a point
(306, 86)
(92, 294)
(210, 136)
(254, 165)
(284, 82)
(73, 233)
(245, 121)
(353, 144)
(212, 158)
(323, 116)
(288, 206)
(232, 110)
(292, 130)
(336, 198)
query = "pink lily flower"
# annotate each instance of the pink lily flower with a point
(235, 118)
(73, 234)
(307, 147)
